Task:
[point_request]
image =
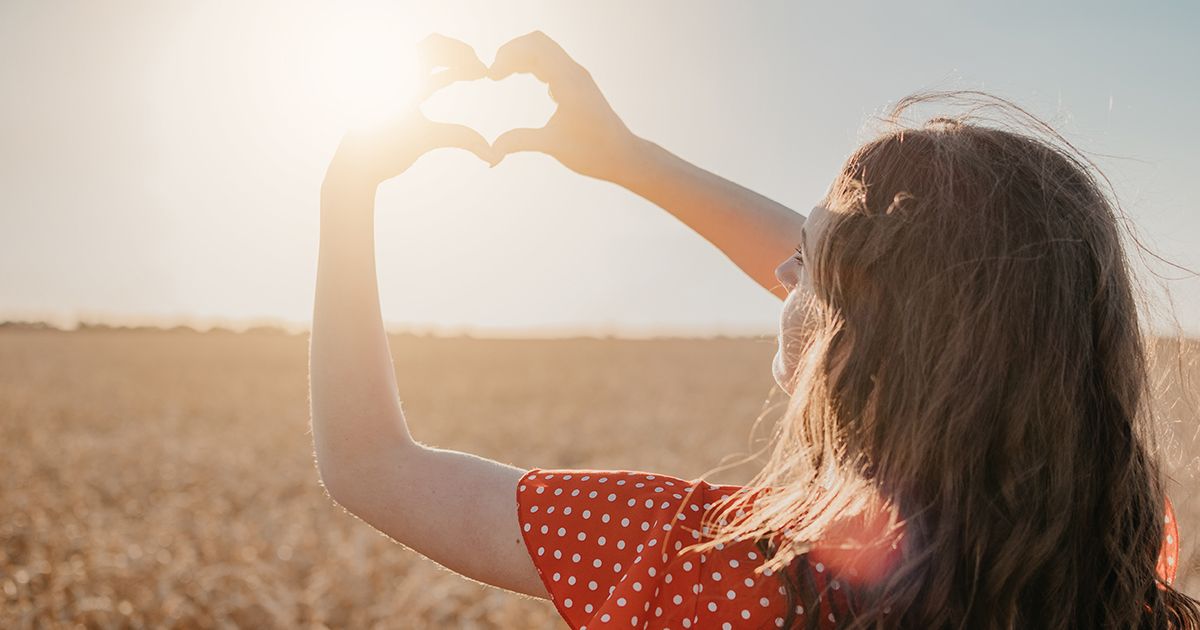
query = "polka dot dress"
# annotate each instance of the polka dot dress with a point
(610, 547)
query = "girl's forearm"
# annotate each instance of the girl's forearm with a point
(355, 404)
(756, 233)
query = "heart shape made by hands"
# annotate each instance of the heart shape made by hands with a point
(491, 107)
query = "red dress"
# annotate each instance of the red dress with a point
(608, 544)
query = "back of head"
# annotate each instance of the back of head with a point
(976, 361)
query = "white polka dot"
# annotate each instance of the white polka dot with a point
(605, 617)
(567, 510)
(733, 563)
(600, 541)
(730, 594)
(621, 601)
(1170, 539)
(527, 527)
(541, 489)
(658, 611)
(633, 621)
(637, 586)
(557, 576)
(712, 606)
(558, 491)
(533, 508)
(597, 563)
(748, 581)
(764, 602)
(745, 614)
(726, 626)
(651, 571)
(586, 514)
(716, 576)
(631, 502)
(545, 529)
(617, 568)
(620, 544)
(645, 526)
(593, 585)
(593, 494)
(541, 551)
(779, 622)
(567, 603)
(687, 566)
(612, 497)
(687, 623)
(587, 608)
(604, 518)
(558, 554)
(667, 578)
(820, 567)
(678, 599)
(625, 522)
(649, 503)
(576, 557)
(562, 531)
(571, 580)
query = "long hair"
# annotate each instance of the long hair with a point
(968, 436)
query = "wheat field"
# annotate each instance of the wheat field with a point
(165, 478)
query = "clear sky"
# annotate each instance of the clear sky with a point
(162, 160)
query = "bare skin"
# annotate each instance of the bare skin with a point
(456, 508)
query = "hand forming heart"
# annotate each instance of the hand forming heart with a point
(584, 133)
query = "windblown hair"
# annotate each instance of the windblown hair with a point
(975, 379)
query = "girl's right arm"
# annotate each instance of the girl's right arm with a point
(585, 135)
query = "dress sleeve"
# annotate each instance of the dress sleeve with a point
(606, 543)
(1168, 558)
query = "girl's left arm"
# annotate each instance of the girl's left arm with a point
(454, 508)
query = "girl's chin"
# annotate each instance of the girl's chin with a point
(780, 371)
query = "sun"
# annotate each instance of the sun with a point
(365, 75)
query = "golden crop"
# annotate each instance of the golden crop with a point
(165, 478)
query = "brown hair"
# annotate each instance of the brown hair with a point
(974, 376)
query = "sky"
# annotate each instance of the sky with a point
(160, 161)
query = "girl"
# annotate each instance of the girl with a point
(966, 443)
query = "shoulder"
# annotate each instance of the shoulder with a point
(614, 546)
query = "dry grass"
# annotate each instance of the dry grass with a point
(166, 478)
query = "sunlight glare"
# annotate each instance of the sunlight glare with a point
(366, 80)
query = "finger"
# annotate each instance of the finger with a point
(437, 50)
(462, 137)
(534, 53)
(520, 139)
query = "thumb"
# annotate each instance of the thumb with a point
(462, 137)
(520, 139)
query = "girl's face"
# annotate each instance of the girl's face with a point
(794, 275)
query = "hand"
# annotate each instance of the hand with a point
(370, 155)
(584, 134)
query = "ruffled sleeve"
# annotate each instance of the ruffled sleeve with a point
(598, 539)
(1168, 558)
(612, 548)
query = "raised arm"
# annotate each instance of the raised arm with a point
(755, 233)
(454, 508)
